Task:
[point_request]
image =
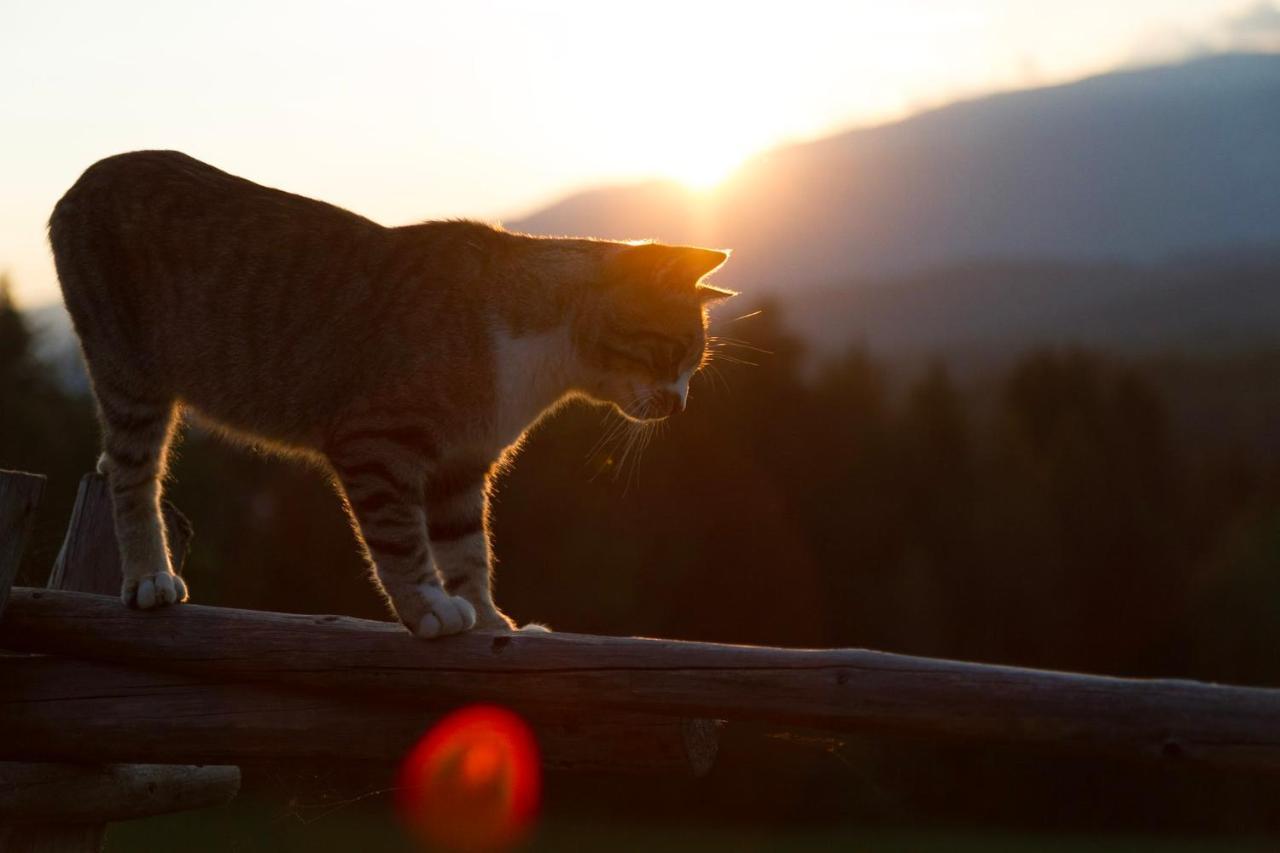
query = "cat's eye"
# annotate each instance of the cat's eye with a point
(626, 355)
(654, 352)
(666, 360)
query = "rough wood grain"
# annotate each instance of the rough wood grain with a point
(837, 689)
(71, 793)
(89, 560)
(19, 496)
(58, 709)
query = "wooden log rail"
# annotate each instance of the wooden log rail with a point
(841, 689)
(52, 708)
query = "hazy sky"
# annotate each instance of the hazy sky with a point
(413, 110)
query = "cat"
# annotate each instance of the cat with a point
(411, 361)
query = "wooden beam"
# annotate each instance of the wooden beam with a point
(57, 709)
(840, 689)
(67, 793)
(19, 496)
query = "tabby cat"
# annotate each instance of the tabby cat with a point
(410, 360)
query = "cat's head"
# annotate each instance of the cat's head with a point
(646, 335)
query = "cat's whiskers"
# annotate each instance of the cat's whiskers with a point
(717, 353)
(714, 378)
(718, 347)
(645, 434)
(614, 423)
(638, 434)
(615, 445)
(639, 439)
(733, 359)
(724, 341)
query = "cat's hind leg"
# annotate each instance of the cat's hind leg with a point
(136, 433)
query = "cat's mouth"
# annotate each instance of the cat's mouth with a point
(654, 406)
(644, 418)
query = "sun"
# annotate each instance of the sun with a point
(703, 169)
(703, 163)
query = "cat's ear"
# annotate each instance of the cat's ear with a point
(678, 266)
(695, 263)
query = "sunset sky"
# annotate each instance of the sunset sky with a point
(414, 110)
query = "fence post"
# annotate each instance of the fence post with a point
(19, 496)
(90, 560)
(70, 803)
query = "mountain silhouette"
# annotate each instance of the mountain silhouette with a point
(1133, 166)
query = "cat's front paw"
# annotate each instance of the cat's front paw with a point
(446, 614)
(534, 628)
(157, 589)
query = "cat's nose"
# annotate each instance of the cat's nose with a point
(670, 402)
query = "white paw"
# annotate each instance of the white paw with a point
(534, 628)
(154, 590)
(446, 614)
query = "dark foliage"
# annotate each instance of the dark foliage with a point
(42, 429)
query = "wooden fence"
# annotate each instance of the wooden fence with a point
(83, 679)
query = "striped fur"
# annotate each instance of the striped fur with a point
(409, 360)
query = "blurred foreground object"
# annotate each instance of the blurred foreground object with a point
(472, 783)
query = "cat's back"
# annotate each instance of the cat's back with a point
(171, 237)
(143, 174)
(145, 194)
(222, 291)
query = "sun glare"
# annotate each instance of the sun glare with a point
(701, 168)
(702, 160)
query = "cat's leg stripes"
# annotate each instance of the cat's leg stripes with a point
(457, 515)
(383, 484)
